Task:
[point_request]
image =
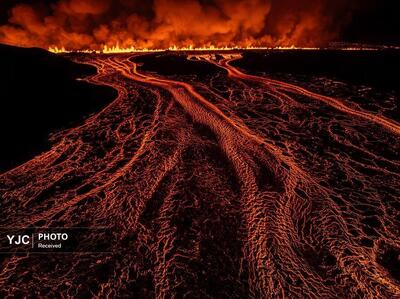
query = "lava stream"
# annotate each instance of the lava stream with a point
(212, 188)
(290, 88)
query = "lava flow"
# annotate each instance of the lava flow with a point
(220, 184)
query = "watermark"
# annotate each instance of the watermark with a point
(56, 240)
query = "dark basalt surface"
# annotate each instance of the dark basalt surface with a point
(40, 95)
(377, 68)
(217, 176)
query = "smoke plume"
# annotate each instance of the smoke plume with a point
(91, 24)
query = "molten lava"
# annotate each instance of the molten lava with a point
(220, 185)
(117, 49)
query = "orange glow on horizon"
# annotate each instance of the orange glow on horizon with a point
(117, 49)
(104, 26)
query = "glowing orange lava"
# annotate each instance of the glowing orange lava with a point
(223, 184)
(117, 49)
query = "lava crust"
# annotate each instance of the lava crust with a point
(216, 181)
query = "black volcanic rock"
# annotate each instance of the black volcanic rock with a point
(376, 68)
(174, 64)
(39, 95)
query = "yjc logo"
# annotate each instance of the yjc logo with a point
(18, 239)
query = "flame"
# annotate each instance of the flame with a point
(117, 49)
(184, 25)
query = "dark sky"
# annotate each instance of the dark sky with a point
(369, 21)
(378, 22)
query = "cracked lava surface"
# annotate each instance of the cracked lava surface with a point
(227, 185)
